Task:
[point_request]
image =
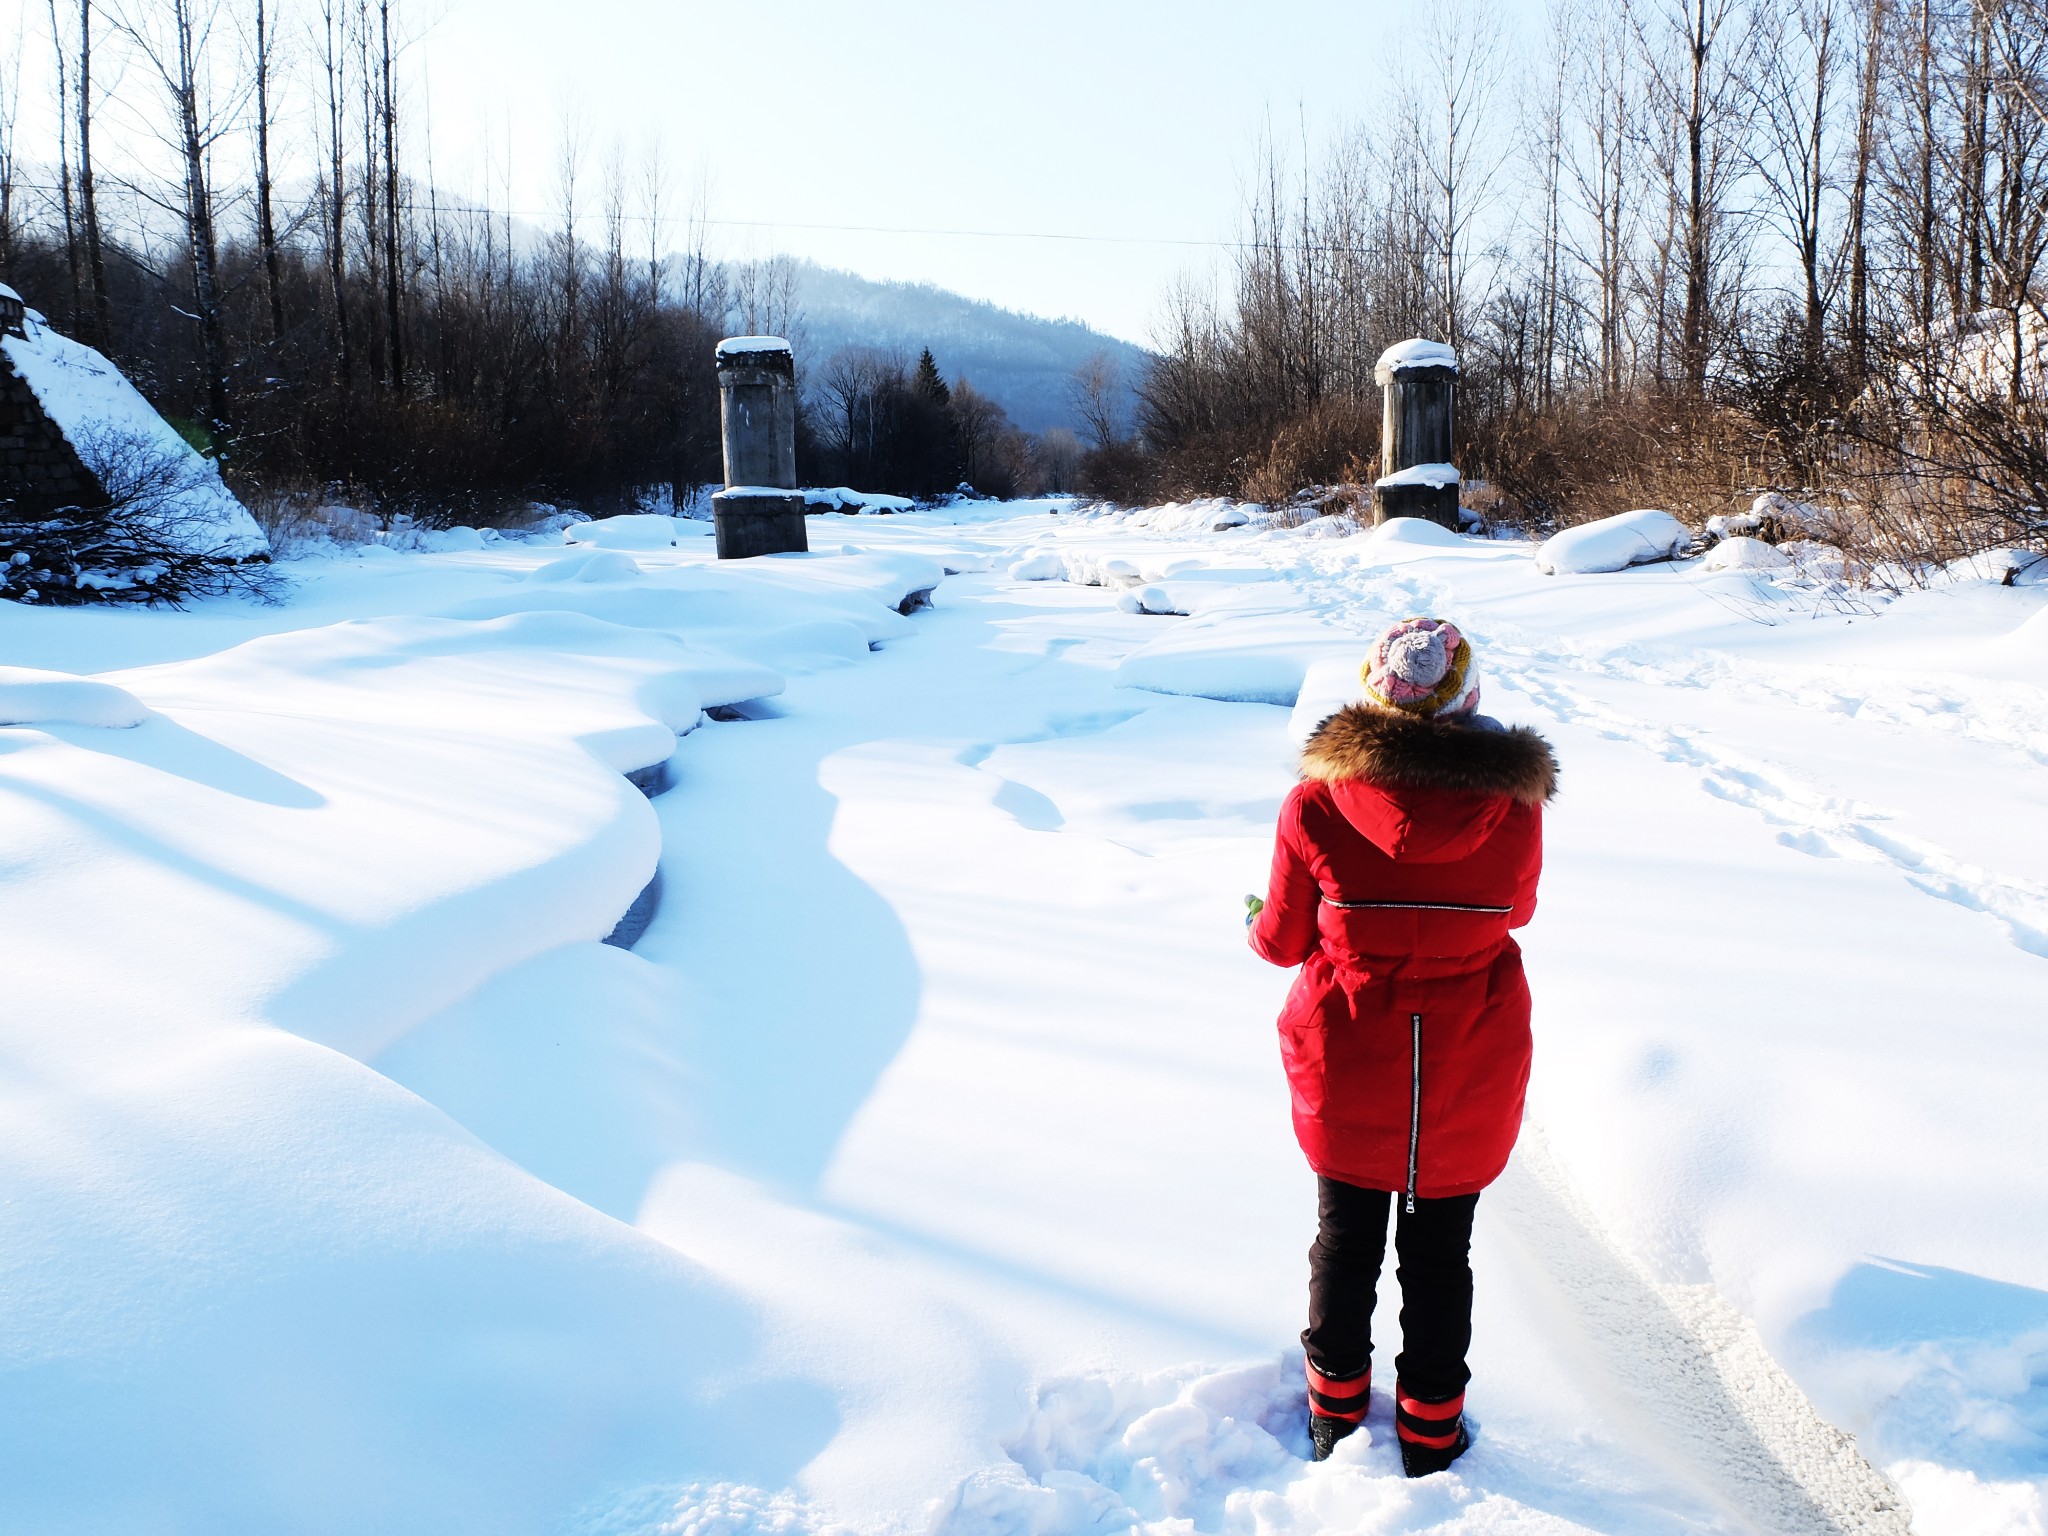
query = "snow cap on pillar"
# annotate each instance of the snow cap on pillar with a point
(1412, 356)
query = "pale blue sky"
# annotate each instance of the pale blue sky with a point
(1129, 122)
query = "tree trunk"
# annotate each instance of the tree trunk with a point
(334, 59)
(1698, 294)
(88, 199)
(1874, 29)
(393, 275)
(201, 245)
(64, 172)
(266, 225)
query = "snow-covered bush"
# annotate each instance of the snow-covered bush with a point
(160, 536)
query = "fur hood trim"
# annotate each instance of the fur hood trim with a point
(1360, 742)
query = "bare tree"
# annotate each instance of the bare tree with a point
(387, 105)
(1796, 61)
(175, 38)
(64, 165)
(978, 424)
(334, 66)
(88, 194)
(1095, 391)
(10, 95)
(1446, 108)
(1694, 82)
(262, 68)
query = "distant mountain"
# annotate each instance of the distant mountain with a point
(1021, 361)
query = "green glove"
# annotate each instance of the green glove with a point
(1252, 908)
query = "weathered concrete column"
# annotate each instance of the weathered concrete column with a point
(760, 511)
(1417, 477)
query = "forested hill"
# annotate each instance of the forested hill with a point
(1022, 361)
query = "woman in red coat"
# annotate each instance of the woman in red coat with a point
(1403, 858)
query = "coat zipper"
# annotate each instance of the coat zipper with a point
(1414, 1109)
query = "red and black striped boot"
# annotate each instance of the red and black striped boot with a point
(1335, 1407)
(1432, 1431)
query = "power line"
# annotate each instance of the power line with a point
(1063, 236)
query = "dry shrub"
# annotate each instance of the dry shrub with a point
(1589, 459)
(1121, 473)
(1330, 444)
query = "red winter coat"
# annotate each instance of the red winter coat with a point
(1402, 859)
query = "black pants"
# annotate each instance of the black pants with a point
(1433, 1247)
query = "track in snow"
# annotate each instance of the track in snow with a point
(1689, 1374)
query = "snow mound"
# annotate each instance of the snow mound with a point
(120, 437)
(2010, 567)
(1740, 552)
(1613, 544)
(1211, 514)
(31, 697)
(1815, 559)
(2031, 638)
(633, 530)
(588, 565)
(1330, 683)
(1148, 600)
(1043, 566)
(1182, 1451)
(1414, 353)
(1238, 657)
(1416, 530)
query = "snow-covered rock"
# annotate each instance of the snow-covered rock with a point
(1613, 544)
(842, 498)
(1740, 552)
(1787, 515)
(32, 697)
(1732, 525)
(1148, 600)
(632, 530)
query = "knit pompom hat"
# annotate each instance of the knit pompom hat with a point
(1422, 667)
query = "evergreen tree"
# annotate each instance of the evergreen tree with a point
(929, 383)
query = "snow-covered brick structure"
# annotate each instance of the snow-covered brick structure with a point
(75, 434)
(1613, 544)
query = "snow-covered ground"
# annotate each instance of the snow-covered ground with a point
(925, 1164)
